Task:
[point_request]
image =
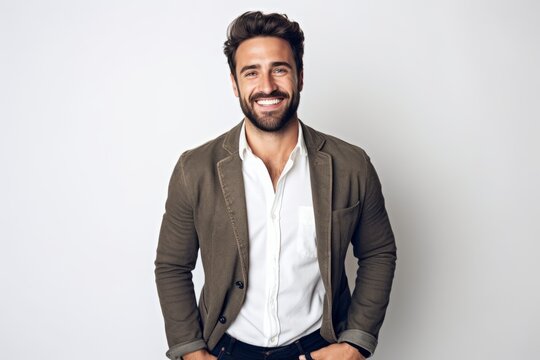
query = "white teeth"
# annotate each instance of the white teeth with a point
(265, 102)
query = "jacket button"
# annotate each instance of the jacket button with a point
(239, 284)
(222, 319)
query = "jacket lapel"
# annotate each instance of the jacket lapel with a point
(232, 186)
(320, 167)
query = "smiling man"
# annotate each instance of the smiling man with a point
(273, 206)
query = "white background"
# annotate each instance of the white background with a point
(99, 98)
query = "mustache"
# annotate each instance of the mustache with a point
(262, 95)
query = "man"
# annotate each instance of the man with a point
(273, 206)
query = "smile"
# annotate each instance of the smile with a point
(269, 102)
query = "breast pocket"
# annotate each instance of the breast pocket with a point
(306, 243)
(343, 223)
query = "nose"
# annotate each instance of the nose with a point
(267, 84)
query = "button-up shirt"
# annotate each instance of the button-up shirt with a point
(284, 299)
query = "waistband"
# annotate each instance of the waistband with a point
(302, 346)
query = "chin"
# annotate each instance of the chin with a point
(270, 125)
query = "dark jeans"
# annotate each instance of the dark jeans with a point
(228, 348)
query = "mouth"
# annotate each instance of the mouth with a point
(269, 103)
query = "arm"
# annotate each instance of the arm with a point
(175, 259)
(375, 248)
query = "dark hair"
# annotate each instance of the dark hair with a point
(254, 23)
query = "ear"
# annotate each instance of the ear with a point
(301, 80)
(234, 86)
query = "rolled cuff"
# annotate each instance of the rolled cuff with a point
(177, 351)
(361, 338)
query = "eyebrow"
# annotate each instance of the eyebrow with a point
(274, 64)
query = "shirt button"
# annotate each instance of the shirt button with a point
(239, 284)
(222, 319)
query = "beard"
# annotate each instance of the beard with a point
(270, 121)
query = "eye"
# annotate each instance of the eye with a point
(280, 71)
(250, 74)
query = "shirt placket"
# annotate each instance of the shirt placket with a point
(273, 246)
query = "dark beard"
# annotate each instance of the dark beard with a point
(268, 121)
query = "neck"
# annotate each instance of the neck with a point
(272, 147)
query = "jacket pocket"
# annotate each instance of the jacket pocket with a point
(344, 222)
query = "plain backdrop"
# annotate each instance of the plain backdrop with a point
(99, 98)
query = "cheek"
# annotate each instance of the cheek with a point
(289, 85)
(246, 92)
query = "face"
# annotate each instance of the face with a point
(267, 82)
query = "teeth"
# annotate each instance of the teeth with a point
(268, 101)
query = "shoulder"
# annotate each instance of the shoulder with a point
(204, 153)
(340, 150)
(210, 152)
(350, 163)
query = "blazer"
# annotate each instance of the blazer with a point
(206, 210)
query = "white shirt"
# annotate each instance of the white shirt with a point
(284, 299)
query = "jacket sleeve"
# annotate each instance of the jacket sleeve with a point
(176, 257)
(375, 249)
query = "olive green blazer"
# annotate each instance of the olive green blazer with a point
(206, 210)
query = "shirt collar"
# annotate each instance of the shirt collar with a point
(243, 145)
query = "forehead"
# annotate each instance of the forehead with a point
(263, 49)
